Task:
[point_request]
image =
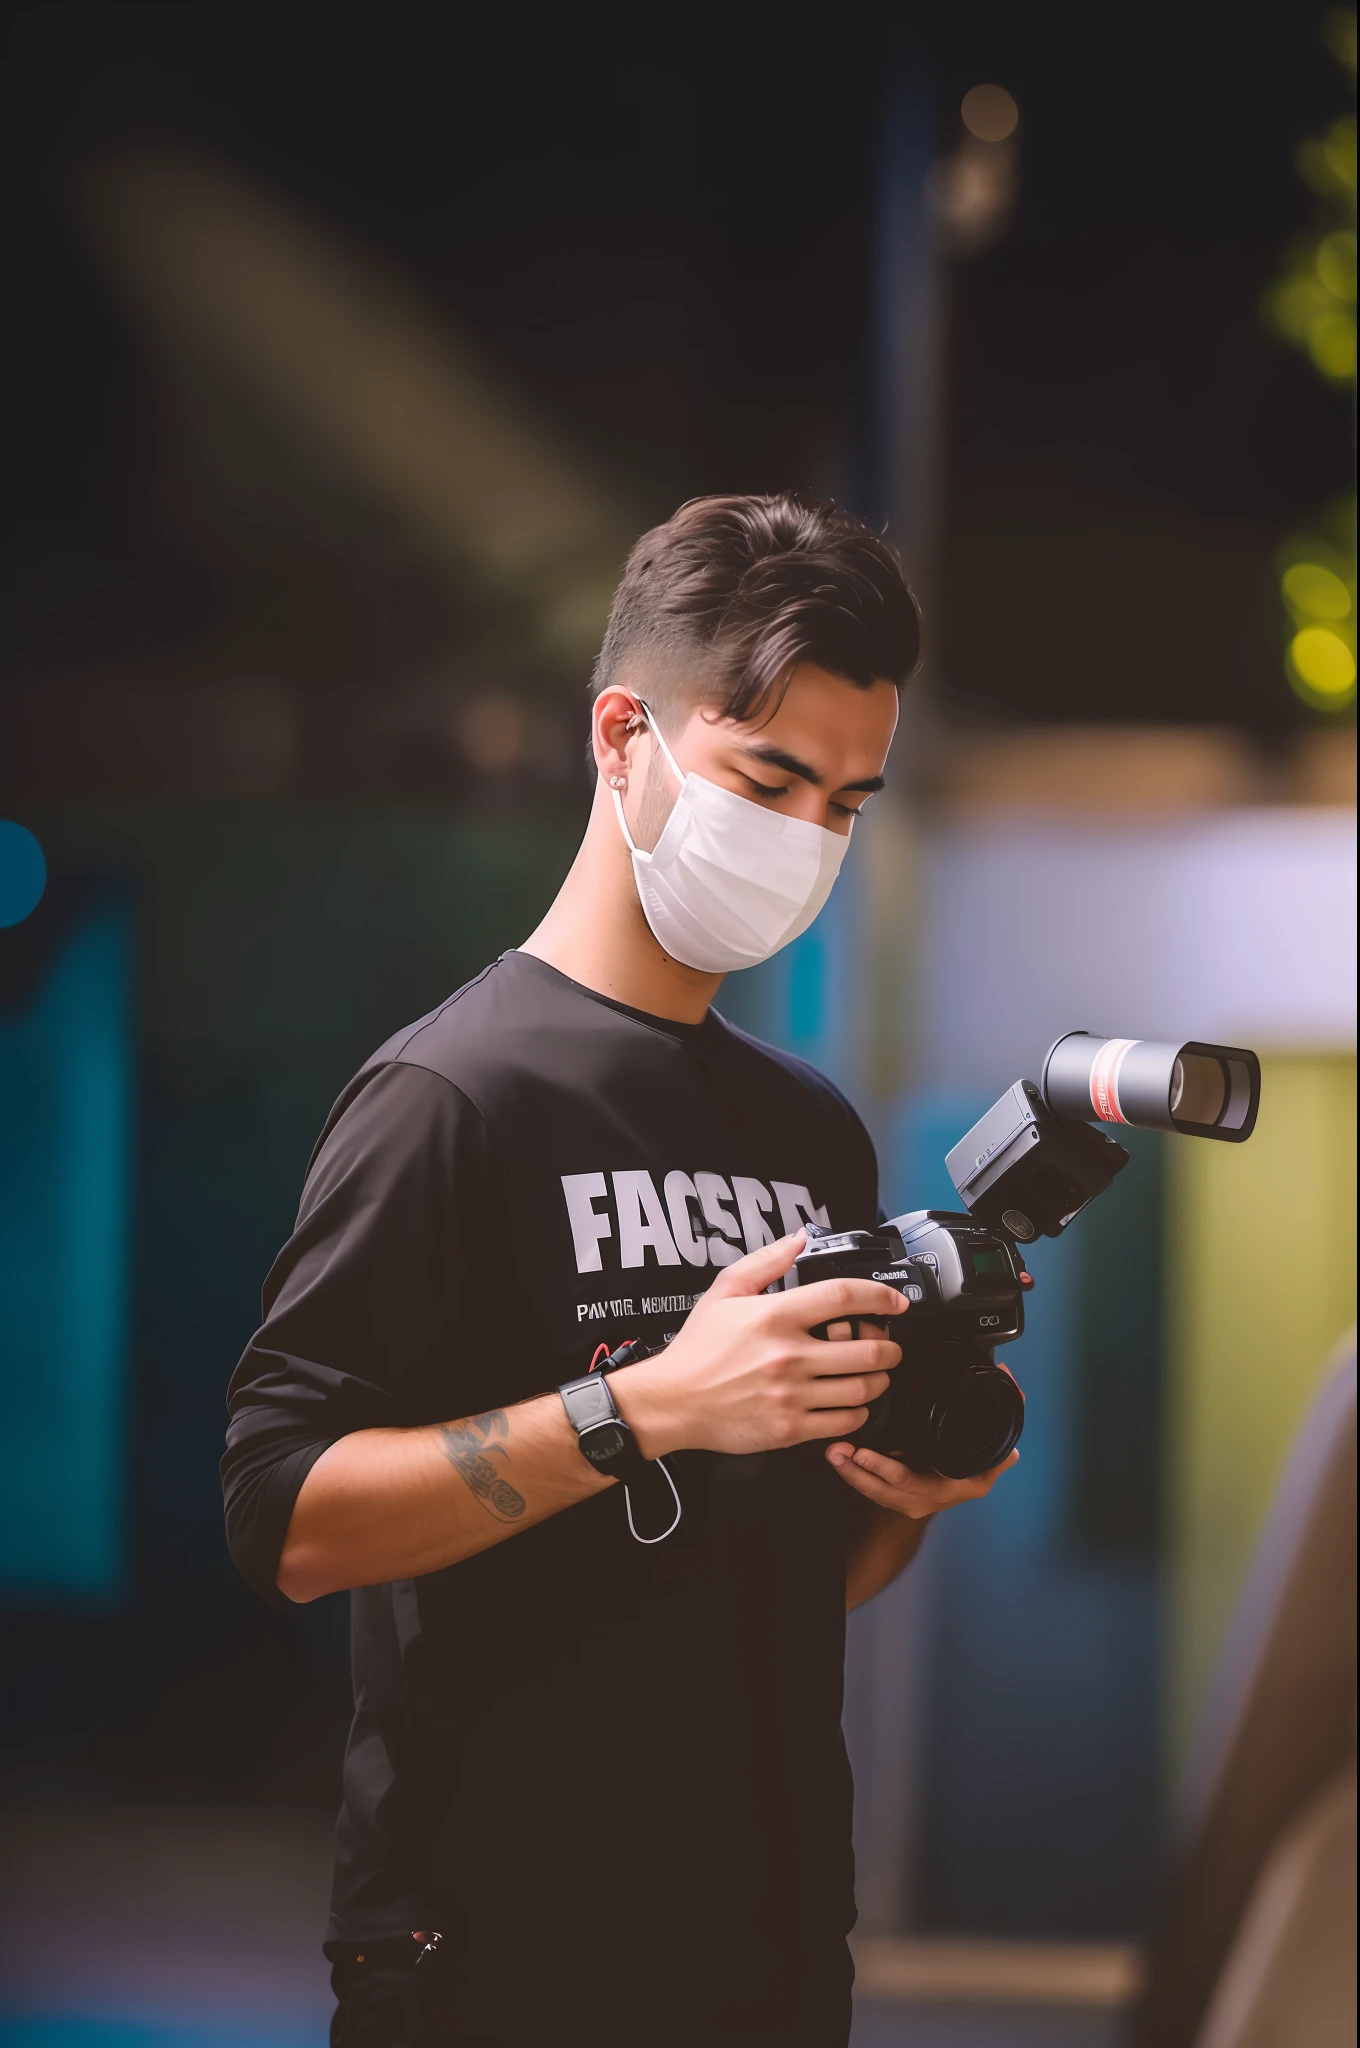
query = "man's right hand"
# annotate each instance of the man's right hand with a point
(746, 1374)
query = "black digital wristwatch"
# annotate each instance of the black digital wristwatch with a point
(604, 1436)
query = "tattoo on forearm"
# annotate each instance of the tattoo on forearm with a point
(469, 1448)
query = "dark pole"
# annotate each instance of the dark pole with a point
(885, 1699)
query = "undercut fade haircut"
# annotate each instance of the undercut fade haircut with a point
(721, 604)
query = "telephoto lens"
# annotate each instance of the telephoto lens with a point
(1203, 1091)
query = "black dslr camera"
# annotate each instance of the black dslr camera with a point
(1025, 1170)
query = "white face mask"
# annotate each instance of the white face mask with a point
(728, 883)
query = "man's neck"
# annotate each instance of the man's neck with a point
(596, 933)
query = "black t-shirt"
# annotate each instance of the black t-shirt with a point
(611, 1773)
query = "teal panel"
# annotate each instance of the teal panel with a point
(807, 990)
(66, 1084)
(808, 998)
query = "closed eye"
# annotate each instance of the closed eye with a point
(765, 788)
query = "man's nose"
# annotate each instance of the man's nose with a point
(812, 805)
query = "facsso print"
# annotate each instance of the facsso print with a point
(698, 1219)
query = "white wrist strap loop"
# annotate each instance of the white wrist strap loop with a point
(661, 1466)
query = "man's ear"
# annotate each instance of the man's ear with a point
(615, 722)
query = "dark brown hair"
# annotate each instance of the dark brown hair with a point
(724, 601)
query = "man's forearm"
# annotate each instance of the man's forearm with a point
(387, 1504)
(884, 1543)
(745, 1374)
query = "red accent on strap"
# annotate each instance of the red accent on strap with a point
(601, 1351)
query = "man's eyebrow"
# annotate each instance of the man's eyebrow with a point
(775, 757)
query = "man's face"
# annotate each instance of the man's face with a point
(819, 757)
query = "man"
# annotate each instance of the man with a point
(595, 1780)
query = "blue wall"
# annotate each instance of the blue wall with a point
(1038, 1768)
(809, 999)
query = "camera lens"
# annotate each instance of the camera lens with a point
(976, 1417)
(1199, 1088)
(958, 1415)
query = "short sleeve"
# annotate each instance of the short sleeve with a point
(363, 1306)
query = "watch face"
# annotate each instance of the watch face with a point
(603, 1443)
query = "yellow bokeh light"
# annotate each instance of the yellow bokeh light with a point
(1313, 304)
(1340, 152)
(1296, 302)
(1313, 592)
(1331, 344)
(1335, 265)
(1327, 162)
(1323, 661)
(990, 113)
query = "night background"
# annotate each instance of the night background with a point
(345, 353)
(661, 232)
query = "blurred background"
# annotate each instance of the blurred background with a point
(344, 354)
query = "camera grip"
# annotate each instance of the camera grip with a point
(872, 1430)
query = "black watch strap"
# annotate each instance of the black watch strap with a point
(605, 1438)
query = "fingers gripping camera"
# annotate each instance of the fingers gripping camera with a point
(950, 1408)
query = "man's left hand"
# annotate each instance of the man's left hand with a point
(889, 1484)
(892, 1485)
